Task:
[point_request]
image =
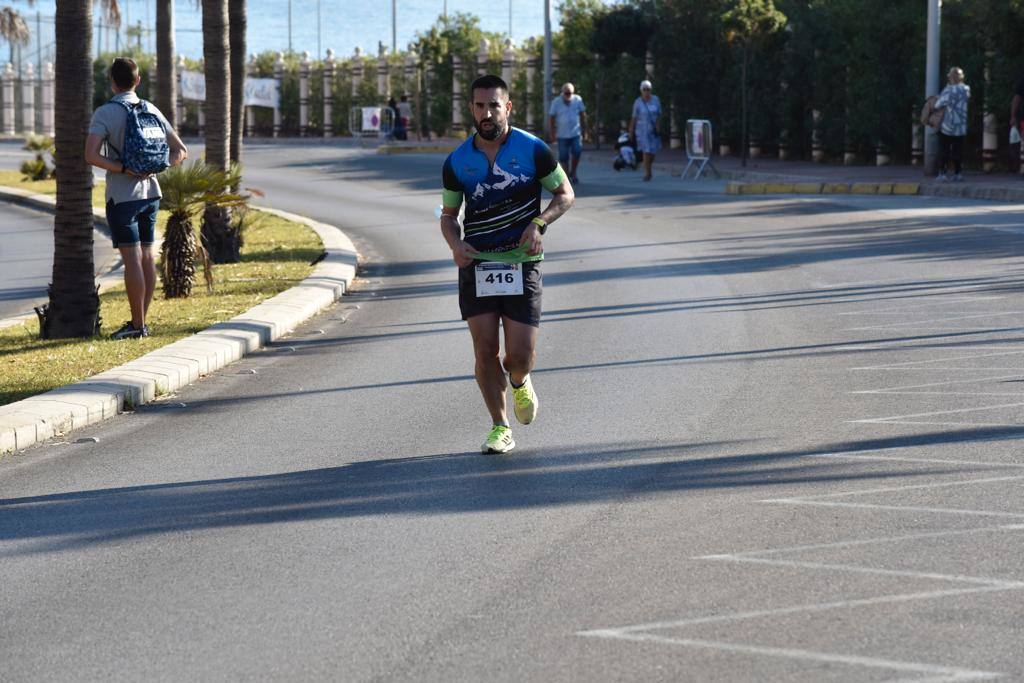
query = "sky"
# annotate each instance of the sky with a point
(315, 25)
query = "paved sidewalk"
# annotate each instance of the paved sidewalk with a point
(771, 176)
(104, 395)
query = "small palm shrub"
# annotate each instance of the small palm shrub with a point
(37, 168)
(187, 190)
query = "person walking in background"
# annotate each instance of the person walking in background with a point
(133, 196)
(396, 125)
(568, 121)
(643, 126)
(953, 129)
(404, 115)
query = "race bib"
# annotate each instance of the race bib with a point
(498, 279)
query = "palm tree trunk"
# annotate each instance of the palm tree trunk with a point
(166, 77)
(219, 237)
(178, 256)
(73, 308)
(236, 10)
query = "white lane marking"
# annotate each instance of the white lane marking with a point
(954, 359)
(949, 673)
(903, 310)
(944, 424)
(955, 411)
(943, 393)
(898, 508)
(903, 344)
(941, 384)
(869, 541)
(907, 487)
(942, 319)
(989, 583)
(865, 455)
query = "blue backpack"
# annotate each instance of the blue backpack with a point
(145, 140)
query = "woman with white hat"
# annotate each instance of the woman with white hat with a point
(643, 126)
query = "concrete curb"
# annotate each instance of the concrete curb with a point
(753, 182)
(102, 396)
(736, 188)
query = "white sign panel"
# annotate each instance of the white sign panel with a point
(259, 92)
(697, 128)
(371, 118)
(193, 86)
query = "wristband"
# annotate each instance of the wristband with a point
(542, 226)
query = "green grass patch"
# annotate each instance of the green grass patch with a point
(275, 257)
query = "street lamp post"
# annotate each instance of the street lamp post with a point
(931, 83)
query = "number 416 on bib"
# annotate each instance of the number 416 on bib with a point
(498, 279)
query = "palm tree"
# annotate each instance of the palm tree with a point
(74, 305)
(220, 237)
(187, 190)
(236, 10)
(166, 80)
(13, 28)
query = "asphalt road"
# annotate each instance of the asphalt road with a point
(26, 248)
(26, 258)
(779, 439)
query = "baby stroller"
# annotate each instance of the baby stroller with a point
(626, 155)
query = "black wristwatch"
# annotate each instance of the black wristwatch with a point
(542, 226)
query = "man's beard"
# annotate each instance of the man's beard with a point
(493, 133)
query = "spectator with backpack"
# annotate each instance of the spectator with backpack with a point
(133, 141)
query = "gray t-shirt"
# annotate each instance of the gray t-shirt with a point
(567, 116)
(109, 121)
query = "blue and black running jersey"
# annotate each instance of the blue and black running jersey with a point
(500, 199)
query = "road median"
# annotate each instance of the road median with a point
(166, 369)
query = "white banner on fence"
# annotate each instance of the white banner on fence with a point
(259, 92)
(193, 86)
(371, 118)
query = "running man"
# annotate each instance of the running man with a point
(499, 173)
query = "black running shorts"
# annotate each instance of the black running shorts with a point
(523, 308)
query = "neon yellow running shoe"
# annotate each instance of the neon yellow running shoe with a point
(499, 440)
(526, 402)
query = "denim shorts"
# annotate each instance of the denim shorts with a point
(567, 146)
(132, 222)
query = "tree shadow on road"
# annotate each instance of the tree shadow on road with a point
(459, 483)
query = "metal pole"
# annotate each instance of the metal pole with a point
(509, 18)
(39, 44)
(394, 27)
(931, 83)
(318, 52)
(289, 26)
(547, 63)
